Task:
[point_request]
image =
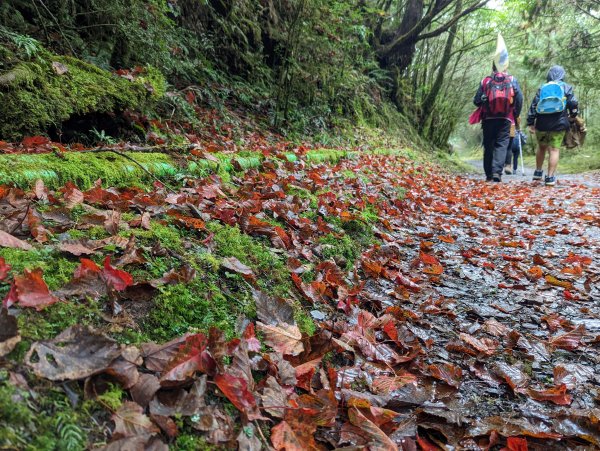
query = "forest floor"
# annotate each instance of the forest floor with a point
(365, 300)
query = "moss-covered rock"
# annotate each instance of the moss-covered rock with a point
(47, 89)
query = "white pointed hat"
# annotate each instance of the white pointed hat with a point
(501, 55)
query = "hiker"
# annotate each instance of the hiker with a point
(500, 98)
(548, 120)
(514, 149)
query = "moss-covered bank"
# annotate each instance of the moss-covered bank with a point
(43, 90)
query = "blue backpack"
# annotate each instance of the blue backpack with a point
(552, 98)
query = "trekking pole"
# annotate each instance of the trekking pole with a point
(521, 155)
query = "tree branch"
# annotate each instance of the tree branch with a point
(451, 22)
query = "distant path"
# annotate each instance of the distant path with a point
(591, 179)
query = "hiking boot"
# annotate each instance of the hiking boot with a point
(550, 180)
(537, 175)
(497, 178)
(488, 179)
(508, 170)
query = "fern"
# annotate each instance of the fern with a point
(71, 437)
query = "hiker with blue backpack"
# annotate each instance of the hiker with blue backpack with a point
(548, 120)
(499, 101)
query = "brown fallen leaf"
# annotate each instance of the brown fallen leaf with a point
(76, 353)
(233, 264)
(284, 338)
(376, 439)
(9, 332)
(130, 421)
(7, 240)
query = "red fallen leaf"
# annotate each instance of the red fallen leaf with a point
(189, 222)
(305, 372)
(575, 270)
(516, 444)
(284, 338)
(451, 374)
(485, 345)
(191, 356)
(375, 437)
(4, 268)
(72, 195)
(426, 445)
(553, 320)
(38, 231)
(559, 283)
(34, 141)
(371, 268)
(167, 425)
(7, 240)
(570, 296)
(406, 282)
(250, 337)
(29, 290)
(557, 395)
(535, 273)
(570, 340)
(322, 407)
(428, 259)
(513, 258)
(384, 385)
(582, 260)
(515, 378)
(446, 239)
(236, 390)
(298, 438)
(116, 278)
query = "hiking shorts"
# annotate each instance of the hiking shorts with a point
(552, 139)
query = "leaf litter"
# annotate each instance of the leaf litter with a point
(466, 323)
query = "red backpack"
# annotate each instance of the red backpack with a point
(500, 93)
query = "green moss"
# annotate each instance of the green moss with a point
(49, 322)
(57, 269)
(111, 398)
(166, 234)
(83, 168)
(197, 305)
(340, 246)
(38, 98)
(47, 422)
(273, 275)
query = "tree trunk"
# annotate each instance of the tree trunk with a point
(429, 101)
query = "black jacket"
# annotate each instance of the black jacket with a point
(559, 121)
(518, 100)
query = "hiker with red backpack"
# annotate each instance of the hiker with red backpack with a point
(500, 100)
(548, 120)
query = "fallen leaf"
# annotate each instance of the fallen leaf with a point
(30, 290)
(130, 421)
(284, 338)
(9, 332)
(76, 353)
(557, 395)
(375, 437)
(191, 356)
(7, 240)
(236, 390)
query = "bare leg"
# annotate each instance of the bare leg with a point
(540, 155)
(552, 160)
